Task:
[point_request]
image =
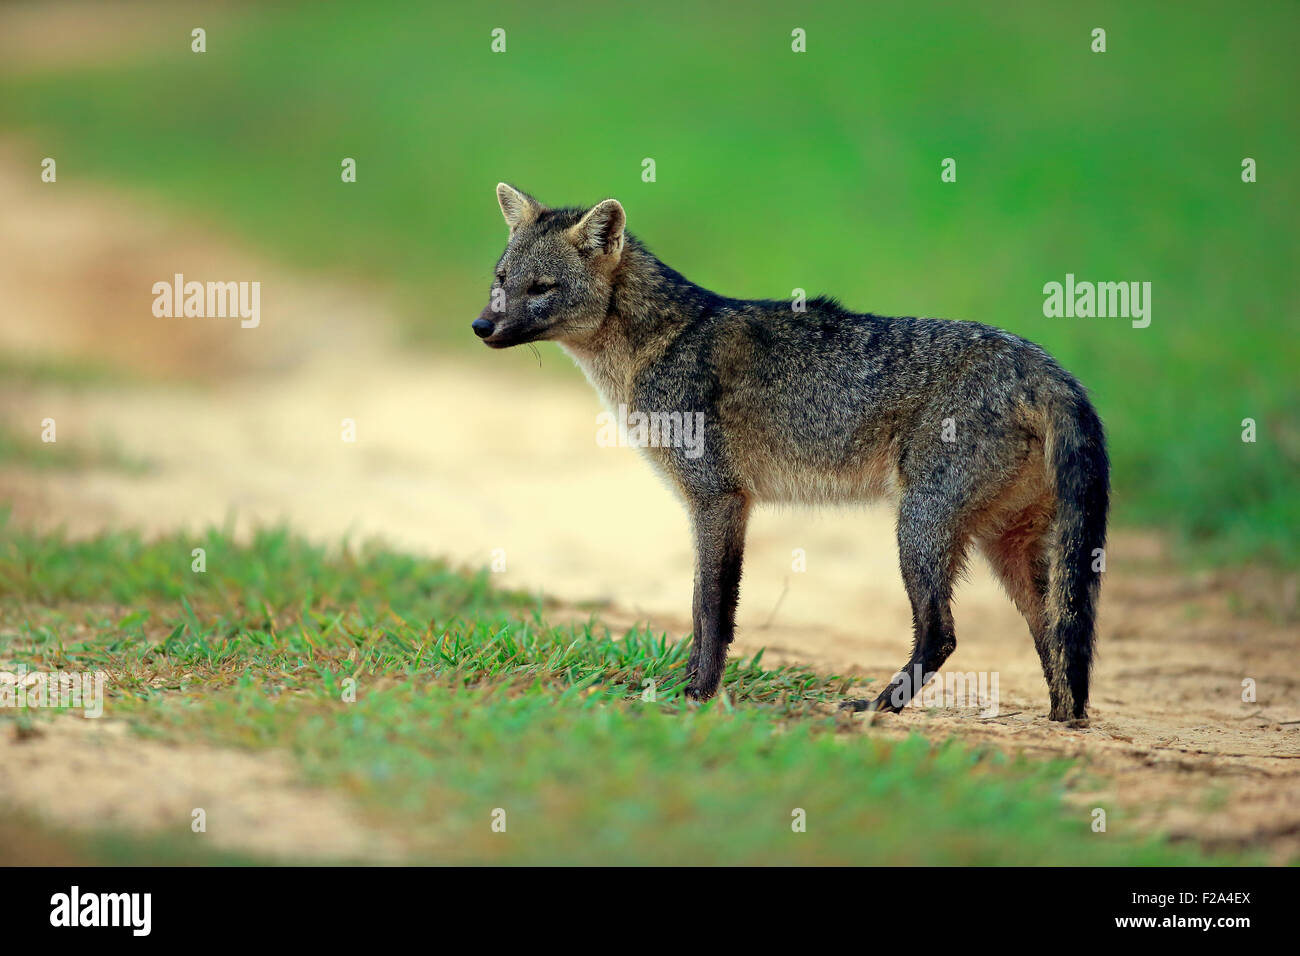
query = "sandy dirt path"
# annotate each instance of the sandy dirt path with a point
(483, 457)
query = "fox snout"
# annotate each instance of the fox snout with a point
(485, 326)
(499, 331)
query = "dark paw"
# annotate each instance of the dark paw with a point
(699, 692)
(881, 704)
(1076, 721)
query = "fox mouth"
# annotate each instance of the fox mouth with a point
(501, 335)
(505, 338)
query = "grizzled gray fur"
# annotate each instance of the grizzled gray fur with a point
(977, 436)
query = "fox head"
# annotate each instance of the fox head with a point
(555, 278)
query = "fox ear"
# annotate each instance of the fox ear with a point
(601, 229)
(519, 208)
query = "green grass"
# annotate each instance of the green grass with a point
(776, 171)
(26, 371)
(29, 451)
(26, 840)
(465, 702)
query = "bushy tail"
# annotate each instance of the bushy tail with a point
(1077, 462)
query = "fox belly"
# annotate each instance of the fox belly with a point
(772, 474)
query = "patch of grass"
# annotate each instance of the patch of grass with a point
(26, 371)
(274, 570)
(439, 704)
(25, 841)
(17, 448)
(777, 171)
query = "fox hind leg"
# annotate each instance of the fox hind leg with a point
(931, 551)
(1019, 557)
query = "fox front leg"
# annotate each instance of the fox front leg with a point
(719, 528)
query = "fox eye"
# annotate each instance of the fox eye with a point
(540, 287)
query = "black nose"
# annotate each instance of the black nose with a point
(482, 327)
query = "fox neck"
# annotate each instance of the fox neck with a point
(649, 306)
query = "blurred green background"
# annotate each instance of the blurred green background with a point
(778, 170)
